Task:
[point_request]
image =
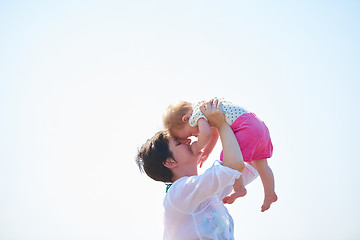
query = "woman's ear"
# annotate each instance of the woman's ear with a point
(185, 118)
(170, 163)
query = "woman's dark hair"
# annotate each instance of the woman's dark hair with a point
(152, 156)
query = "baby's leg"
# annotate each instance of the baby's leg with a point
(239, 191)
(268, 181)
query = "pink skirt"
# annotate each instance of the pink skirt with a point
(253, 137)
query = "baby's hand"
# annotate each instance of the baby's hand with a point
(203, 158)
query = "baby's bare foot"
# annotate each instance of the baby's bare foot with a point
(234, 195)
(268, 201)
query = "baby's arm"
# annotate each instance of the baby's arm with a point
(203, 136)
(213, 140)
(210, 146)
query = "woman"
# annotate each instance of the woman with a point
(193, 205)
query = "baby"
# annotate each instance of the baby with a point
(183, 120)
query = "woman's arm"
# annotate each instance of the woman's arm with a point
(232, 156)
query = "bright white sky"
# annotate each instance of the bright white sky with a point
(84, 83)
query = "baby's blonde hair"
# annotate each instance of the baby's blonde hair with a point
(173, 115)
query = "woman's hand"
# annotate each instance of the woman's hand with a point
(213, 112)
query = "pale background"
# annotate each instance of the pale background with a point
(84, 83)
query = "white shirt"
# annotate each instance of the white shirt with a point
(193, 205)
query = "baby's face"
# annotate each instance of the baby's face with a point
(186, 132)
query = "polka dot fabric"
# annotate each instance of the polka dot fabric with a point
(231, 111)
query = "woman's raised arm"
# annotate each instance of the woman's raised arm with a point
(232, 156)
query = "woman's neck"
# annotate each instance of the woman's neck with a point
(184, 172)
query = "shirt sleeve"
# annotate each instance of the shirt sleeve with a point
(191, 191)
(196, 115)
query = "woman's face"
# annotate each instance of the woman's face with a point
(181, 151)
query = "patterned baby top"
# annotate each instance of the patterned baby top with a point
(231, 111)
